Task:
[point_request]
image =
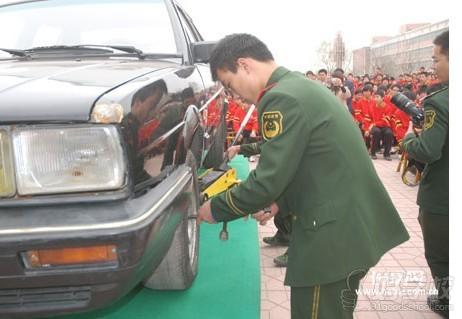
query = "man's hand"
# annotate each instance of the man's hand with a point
(205, 214)
(413, 129)
(367, 133)
(233, 150)
(262, 217)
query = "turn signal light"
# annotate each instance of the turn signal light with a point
(70, 256)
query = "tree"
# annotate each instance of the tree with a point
(348, 64)
(325, 56)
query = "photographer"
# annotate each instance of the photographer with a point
(431, 146)
(340, 91)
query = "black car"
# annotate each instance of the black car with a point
(107, 109)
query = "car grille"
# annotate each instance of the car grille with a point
(7, 187)
(34, 299)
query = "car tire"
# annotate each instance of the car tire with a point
(215, 155)
(178, 269)
(197, 144)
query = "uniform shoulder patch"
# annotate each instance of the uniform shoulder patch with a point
(429, 119)
(272, 124)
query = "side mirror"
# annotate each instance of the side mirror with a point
(201, 51)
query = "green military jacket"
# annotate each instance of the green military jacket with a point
(315, 165)
(432, 148)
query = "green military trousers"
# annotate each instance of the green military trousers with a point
(335, 300)
(435, 231)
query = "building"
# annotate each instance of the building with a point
(362, 61)
(403, 53)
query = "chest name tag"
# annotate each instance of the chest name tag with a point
(272, 124)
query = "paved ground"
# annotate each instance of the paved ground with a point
(402, 270)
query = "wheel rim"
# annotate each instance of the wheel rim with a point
(192, 232)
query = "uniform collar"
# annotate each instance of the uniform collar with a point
(273, 80)
(277, 75)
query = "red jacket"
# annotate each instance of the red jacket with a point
(387, 99)
(213, 113)
(239, 115)
(146, 131)
(400, 124)
(363, 112)
(381, 116)
(357, 110)
(230, 114)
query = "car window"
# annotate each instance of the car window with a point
(143, 24)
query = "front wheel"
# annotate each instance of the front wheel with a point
(178, 269)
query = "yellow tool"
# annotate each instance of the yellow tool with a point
(214, 182)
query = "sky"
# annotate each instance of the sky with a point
(294, 29)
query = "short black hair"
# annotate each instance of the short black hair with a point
(234, 46)
(309, 72)
(369, 83)
(322, 71)
(442, 40)
(383, 87)
(337, 74)
(339, 70)
(380, 92)
(408, 87)
(368, 87)
(187, 93)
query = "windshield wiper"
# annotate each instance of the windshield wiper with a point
(97, 47)
(16, 52)
(100, 48)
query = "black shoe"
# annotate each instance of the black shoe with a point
(282, 260)
(387, 158)
(437, 306)
(374, 157)
(275, 241)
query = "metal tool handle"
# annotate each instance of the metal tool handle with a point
(224, 232)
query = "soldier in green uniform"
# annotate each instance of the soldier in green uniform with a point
(313, 165)
(431, 147)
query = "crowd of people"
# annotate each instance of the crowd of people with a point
(366, 97)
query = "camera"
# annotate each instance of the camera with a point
(402, 102)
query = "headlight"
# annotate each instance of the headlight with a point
(68, 159)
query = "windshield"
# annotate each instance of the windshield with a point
(144, 24)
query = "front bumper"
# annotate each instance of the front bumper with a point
(142, 230)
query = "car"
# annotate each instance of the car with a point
(107, 111)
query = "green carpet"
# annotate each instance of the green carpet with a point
(227, 284)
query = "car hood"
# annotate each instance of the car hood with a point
(38, 91)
